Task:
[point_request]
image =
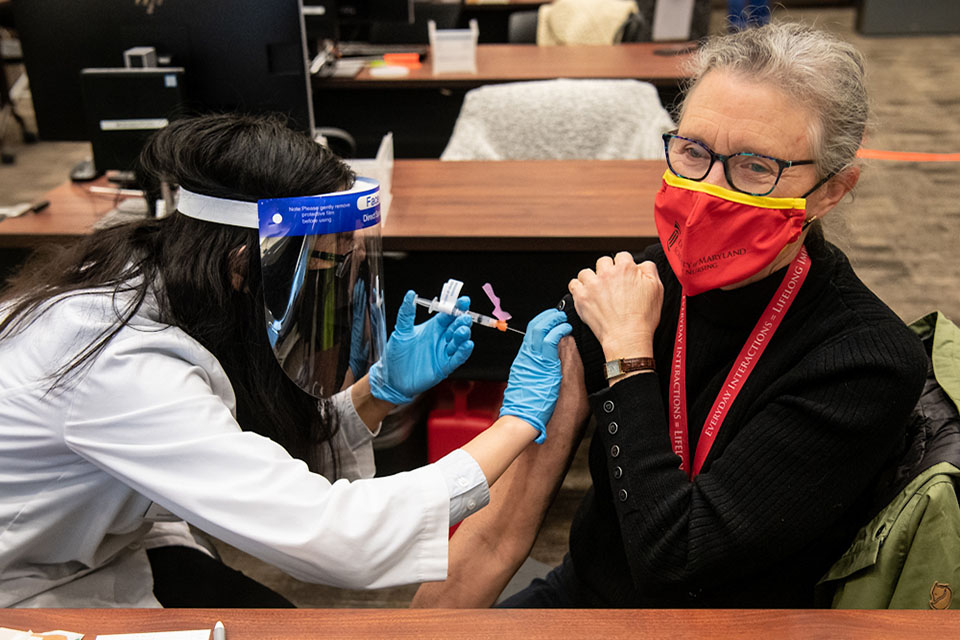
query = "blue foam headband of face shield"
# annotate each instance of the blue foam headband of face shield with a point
(350, 210)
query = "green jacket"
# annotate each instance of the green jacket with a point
(908, 556)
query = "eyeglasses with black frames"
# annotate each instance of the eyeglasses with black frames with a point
(750, 173)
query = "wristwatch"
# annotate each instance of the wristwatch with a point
(618, 367)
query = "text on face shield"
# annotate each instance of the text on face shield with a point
(368, 201)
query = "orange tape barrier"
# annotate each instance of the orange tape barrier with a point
(907, 156)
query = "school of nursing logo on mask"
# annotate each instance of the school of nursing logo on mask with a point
(674, 236)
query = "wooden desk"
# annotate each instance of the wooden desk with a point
(500, 624)
(559, 205)
(515, 62)
(421, 109)
(579, 205)
(72, 212)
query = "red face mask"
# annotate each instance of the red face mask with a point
(714, 237)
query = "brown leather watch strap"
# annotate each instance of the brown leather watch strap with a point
(621, 366)
(636, 364)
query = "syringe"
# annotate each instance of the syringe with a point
(478, 318)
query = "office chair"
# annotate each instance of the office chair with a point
(582, 22)
(522, 27)
(337, 140)
(561, 119)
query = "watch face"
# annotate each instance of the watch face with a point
(612, 368)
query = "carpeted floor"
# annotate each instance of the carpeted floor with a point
(901, 230)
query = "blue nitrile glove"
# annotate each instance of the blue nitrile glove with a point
(419, 356)
(359, 348)
(534, 381)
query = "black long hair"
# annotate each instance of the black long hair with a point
(206, 276)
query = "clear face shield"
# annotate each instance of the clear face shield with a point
(321, 265)
(321, 260)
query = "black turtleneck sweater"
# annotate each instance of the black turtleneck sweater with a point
(786, 484)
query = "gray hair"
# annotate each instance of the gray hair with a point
(818, 70)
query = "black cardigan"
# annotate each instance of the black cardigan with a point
(788, 481)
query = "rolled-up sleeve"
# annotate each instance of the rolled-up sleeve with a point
(468, 487)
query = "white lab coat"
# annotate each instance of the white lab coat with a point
(151, 422)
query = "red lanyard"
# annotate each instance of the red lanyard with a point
(746, 361)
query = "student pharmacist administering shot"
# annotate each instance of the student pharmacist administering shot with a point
(227, 366)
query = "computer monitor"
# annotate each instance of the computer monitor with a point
(350, 20)
(398, 11)
(237, 55)
(123, 107)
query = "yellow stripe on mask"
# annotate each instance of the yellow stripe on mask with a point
(765, 202)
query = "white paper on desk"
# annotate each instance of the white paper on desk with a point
(381, 170)
(198, 634)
